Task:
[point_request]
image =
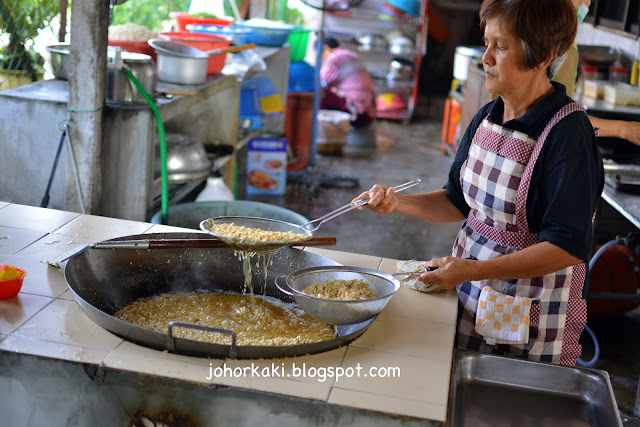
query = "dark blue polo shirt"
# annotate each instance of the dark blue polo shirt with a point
(567, 179)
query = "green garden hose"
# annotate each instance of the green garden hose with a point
(164, 218)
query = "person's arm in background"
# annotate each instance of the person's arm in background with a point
(624, 129)
(567, 75)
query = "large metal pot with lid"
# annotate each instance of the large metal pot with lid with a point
(120, 88)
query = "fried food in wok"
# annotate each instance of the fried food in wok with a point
(262, 321)
(256, 234)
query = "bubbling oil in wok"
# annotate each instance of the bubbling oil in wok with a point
(261, 320)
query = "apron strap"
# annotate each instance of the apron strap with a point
(525, 181)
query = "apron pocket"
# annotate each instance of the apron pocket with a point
(503, 319)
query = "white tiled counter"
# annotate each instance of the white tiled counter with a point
(53, 356)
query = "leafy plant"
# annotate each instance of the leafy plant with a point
(282, 12)
(205, 15)
(148, 13)
(21, 20)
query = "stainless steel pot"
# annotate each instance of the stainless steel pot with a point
(183, 64)
(119, 87)
(372, 42)
(104, 281)
(186, 159)
(401, 45)
(59, 59)
(400, 69)
(179, 63)
(181, 70)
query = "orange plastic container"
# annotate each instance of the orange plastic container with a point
(137, 46)
(183, 18)
(451, 122)
(203, 42)
(10, 288)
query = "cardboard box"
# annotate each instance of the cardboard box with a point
(267, 166)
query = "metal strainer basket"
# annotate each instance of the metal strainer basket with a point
(339, 312)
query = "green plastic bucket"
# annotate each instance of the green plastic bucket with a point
(298, 40)
(190, 215)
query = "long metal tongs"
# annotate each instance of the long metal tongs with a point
(410, 274)
(348, 207)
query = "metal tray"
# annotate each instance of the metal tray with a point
(490, 390)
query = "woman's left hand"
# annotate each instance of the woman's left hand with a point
(450, 271)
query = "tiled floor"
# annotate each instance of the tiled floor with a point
(405, 153)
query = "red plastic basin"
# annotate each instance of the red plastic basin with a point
(203, 42)
(183, 18)
(137, 46)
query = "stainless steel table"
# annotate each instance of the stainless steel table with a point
(628, 204)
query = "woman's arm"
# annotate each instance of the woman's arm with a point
(624, 129)
(537, 260)
(433, 206)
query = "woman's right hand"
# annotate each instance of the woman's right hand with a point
(631, 131)
(383, 200)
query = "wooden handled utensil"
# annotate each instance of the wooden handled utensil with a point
(172, 244)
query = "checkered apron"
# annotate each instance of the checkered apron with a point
(495, 181)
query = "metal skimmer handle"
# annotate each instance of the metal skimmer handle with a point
(171, 340)
(348, 207)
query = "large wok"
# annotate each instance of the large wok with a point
(104, 281)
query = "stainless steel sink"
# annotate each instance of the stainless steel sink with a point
(490, 390)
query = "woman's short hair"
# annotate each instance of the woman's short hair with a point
(544, 27)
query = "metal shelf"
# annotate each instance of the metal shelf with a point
(374, 15)
(355, 46)
(365, 19)
(383, 82)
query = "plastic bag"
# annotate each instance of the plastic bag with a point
(240, 63)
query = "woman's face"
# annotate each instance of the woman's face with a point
(503, 59)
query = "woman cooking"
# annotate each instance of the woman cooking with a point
(526, 178)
